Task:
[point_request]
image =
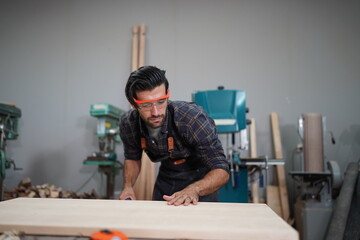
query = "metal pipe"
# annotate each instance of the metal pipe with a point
(339, 218)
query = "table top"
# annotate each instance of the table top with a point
(143, 219)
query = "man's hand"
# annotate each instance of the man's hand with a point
(186, 196)
(212, 181)
(127, 193)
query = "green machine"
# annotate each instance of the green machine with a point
(9, 115)
(108, 135)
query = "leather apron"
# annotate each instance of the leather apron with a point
(176, 173)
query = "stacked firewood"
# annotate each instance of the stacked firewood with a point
(27, 189)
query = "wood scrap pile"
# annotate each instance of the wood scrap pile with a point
(27, 189)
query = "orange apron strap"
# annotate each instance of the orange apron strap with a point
(143, 143)
(170, 144)
(178, 162)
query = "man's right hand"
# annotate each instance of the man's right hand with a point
(127, 193)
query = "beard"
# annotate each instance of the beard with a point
(155, 121)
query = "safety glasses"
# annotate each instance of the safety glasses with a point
(160, 102)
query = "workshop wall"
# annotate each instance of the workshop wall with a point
(59, 57)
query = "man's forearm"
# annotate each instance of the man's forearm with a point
(131, 172)
(212, 181)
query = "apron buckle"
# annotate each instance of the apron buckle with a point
(178, 162)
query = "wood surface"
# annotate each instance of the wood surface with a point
(280, 169)
(143, 219)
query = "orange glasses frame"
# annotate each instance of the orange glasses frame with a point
(153, 100)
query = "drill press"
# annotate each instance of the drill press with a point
(9, 115)
(108, 135)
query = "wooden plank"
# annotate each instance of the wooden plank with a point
(276, 137)
(280, 169)
(144, 184)
(135, 48)
(273, 199)
(143, 219)
(253, 154)
(142, 45)
(253, 146)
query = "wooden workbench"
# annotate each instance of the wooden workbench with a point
(143, 219)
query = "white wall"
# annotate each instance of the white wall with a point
(58, 57)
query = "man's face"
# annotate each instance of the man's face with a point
(152, 112)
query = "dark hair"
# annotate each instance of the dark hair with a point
(144, 79)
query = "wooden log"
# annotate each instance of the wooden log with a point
(26, 182)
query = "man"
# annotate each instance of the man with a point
(178, 134)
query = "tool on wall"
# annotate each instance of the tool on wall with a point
(108, 135)
(9, 115)
(315, 181)
(144, 184)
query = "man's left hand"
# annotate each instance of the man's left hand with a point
(186, 196)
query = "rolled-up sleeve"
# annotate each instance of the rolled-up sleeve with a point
(129, 136)
(202, 135)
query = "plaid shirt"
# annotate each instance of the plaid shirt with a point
(194, 134)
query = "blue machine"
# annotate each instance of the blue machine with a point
(228, 109)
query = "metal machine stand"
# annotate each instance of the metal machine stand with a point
(110, 169)
(108, 134)
(313, 207)
(238, 190)
(314, 184)
(9, 115)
